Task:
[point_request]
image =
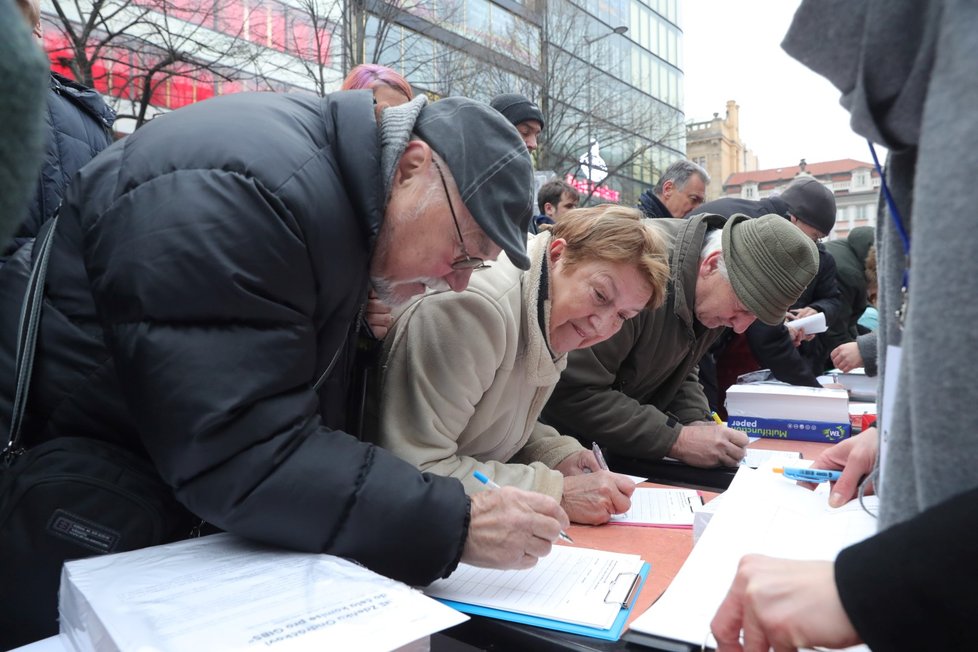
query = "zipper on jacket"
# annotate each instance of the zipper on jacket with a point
(336, 356)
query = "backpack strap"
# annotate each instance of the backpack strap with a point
(30, 317)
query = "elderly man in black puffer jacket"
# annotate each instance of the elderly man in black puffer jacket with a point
(204, 289)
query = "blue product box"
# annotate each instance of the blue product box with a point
(820, 431)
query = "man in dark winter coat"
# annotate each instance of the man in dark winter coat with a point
(810, 206)
(203, 297)
(524, 114)
(850, 255)
(79, 126)
(679, 191)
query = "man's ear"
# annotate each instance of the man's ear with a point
(548, 209)
(710, 264)
(668, 187)
(413, 163)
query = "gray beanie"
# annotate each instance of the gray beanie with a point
(770, 262)
(490, 165)
(812, 203)
(517, 108)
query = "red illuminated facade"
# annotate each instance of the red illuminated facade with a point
(268, 24)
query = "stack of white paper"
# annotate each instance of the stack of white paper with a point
(860, 386)
(789, 412)
(788, 402)
(224, 593)
(571, 585)
(755, 457)
(810, 325)
(660, 507)
(763, 513)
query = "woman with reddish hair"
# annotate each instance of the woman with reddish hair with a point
(389, 87)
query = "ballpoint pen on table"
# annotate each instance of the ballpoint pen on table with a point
(808, 475)
(484, 479)
(599, 456)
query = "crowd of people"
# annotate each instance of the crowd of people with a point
(317, 315)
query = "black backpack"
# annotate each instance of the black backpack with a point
(66, 498)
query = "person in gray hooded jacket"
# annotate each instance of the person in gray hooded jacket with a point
(22, 70)
(908, 76)
(79, 126)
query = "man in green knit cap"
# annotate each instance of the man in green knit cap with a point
(638, 393)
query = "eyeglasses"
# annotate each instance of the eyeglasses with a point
(466, 261)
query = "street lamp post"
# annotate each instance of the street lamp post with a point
(621, 29)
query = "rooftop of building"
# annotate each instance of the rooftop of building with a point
(785, 174)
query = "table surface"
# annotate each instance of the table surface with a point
(716, 479)
(665, 549)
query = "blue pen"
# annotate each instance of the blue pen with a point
(809, 475)
(484, 479)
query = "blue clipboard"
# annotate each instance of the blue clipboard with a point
(612, 634)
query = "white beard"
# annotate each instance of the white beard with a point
(397, 293)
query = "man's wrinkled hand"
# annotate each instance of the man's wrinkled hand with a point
(710, 445)
(511, 529)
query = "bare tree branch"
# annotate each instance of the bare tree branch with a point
(131, 48)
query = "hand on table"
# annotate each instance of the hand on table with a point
(592, 498)
(856, 457)
(511, 529)
(846, 356)
(709, 445)
(782, 604)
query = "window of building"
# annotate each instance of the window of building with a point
(860, 179)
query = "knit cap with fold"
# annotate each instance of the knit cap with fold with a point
(812, 203)
(770, 262)
(517, 108)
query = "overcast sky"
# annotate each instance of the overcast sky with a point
(787, 112)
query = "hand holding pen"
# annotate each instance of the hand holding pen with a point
(484, 479)
(856, 456)
(805, 474)
(510, 528)
(591, 493)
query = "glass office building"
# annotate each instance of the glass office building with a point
(623, 91)
(567, 56)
